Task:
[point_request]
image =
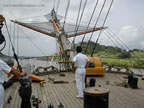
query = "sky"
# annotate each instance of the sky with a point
(125, 20)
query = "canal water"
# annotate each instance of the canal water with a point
(37, 63)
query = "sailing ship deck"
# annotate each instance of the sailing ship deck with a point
(119, 97)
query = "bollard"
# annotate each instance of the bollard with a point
(96, 97)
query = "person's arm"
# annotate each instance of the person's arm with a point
(73, 67)
(87, 62)
(73, 64)
(16, 72)
(7, 69)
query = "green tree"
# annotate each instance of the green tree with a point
(124, 54)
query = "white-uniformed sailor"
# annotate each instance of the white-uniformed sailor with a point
(79, 63)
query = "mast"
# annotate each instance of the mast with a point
(66, 50)
(58, 32)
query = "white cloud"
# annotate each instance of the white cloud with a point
(132, 36)
(120, 16)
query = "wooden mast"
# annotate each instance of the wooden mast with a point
(65, 45)
(66, 49)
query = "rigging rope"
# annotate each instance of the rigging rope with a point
(110, 39)
(124, 45)
(54, 4)
(67, 8)
(57, 50)
(83, 22)
(89, 21)
(15, 56)
(29, 17)
(17, 41)
(77, 27)
(118, 38)
(33, 42)
(10, 34)
(58, 6)
(114, 38)
(101, 30)
(128, 49)
(77, 22)
(95, 25)
(14, 36)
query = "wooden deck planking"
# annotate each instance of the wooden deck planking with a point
(51, 98)
(125, 97)
(119, 97)
(40, 95)
(13, 93)
(7, 96)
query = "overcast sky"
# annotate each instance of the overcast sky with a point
(126, 20)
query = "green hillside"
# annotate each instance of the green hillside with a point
(112, 56)
(116, 56)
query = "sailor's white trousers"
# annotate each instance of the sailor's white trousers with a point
(80, 80)
(1, 96)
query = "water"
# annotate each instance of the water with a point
(135, 70)
(36, 63)
(29, 65)
(138, 71)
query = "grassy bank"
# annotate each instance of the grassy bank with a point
(136, 60)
